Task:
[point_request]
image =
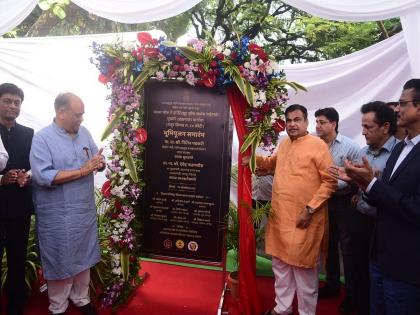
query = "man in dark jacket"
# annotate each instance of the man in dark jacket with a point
(15, 195)
(395, 252)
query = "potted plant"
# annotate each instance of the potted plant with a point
(232, 238)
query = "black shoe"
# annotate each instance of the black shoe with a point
(87, 309)
(348, 306)
(328, 291)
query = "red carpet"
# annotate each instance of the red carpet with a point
(177, 290)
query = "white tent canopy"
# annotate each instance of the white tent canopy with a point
(372, 10)
(13, 12)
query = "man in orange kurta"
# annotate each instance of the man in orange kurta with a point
(295, 230)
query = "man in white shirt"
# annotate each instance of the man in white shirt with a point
(3, 156)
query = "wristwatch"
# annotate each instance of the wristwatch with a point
(310, 210)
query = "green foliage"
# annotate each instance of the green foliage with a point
(56, 6)
(256, 216)
(232, 235)
(334, 39)
(285, 32)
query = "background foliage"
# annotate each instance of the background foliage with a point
(285, 32)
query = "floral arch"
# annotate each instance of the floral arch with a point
(239, 64)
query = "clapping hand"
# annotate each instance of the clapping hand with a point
(10, 177)
(362, 174)
(339, 172)
(23, 178)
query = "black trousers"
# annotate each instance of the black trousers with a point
(341, 221)
(14, 238)
(361, 240)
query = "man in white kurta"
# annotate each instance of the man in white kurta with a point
(63, 158)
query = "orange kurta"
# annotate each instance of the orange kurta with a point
(300, 179)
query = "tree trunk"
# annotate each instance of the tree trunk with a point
(47, 20)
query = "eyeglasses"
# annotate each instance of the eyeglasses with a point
(404, 103)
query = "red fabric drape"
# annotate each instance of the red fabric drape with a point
(249, 298)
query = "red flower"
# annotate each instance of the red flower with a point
(220, 56)
(103, 78)
(144, 38)
(208, 79)
(264, 109)
(151, 52)
(106, 189)
(213, 64)
(141, 135)
(259, 51)
(279, 125)
(117, 204)
(254, 48)
(117, 61)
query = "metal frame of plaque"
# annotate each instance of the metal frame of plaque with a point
(187, 172)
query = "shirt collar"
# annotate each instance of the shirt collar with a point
(387, 146)
(412, 141)
(60, 129)
(390, 144)
(338, 138)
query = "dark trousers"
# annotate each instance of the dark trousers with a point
(361, 238)
(392, 297)
(341, 215)
(14, 238)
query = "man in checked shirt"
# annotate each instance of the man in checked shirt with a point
(340, 212)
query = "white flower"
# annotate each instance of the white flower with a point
(227, 52)
(229, 44)
(117, 271)
(274, 116)
(247, 65)
(160, 75)
(129, 46)
(219, 48)
(121, 162)
(126, 171)
(261, 96)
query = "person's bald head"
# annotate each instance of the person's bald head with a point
(69, 109)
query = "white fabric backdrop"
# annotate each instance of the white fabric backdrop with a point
(43, 67)
(372, 10)
(356, 10)
(12, 12)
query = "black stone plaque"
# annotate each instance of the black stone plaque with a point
(187, 170)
